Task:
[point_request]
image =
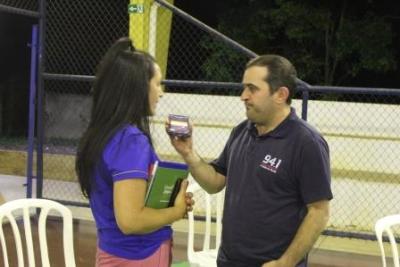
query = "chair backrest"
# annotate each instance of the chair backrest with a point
(212, 205)
(19, 210)
(385, 224)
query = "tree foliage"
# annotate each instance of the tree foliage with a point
(329, 42)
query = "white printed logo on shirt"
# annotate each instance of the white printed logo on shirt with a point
(271, 163)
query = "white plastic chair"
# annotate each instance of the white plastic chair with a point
(18, 210)
(385, 225)
(207, 257)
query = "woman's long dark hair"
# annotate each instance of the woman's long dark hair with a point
(120, 97)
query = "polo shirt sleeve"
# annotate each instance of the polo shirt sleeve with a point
(221, 163)
(130, 157)
(314, 171)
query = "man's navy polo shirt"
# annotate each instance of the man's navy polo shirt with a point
(270, 180)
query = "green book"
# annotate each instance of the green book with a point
(165, 183)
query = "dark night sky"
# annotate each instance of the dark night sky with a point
(207, 11)
(15, 34)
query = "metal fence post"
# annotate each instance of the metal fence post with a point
(31, 116)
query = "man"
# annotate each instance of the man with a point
(276, 171)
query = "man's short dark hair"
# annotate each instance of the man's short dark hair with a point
(281, 72)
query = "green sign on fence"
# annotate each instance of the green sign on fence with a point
(134, 8)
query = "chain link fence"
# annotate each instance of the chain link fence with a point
(76, 40)
(77, 34)
(28, 5)
(363, 134)
(16, 19)
(201, 69)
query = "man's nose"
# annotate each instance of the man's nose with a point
(245, 94)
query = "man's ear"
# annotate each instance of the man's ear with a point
(281, 95)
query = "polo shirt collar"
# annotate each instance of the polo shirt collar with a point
(280, 131)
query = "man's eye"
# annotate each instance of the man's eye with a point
(252, 88)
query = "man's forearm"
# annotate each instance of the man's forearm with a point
(205, 174)
(309, 231)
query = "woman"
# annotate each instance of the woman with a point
(115, 157)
